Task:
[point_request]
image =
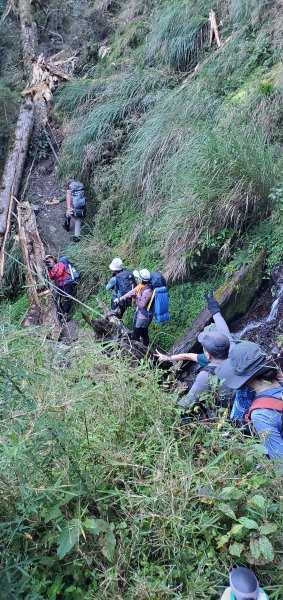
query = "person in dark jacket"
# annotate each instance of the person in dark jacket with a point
(249, 366)
(121, 282)
(142, 294)
(57, 271)
(72, 186)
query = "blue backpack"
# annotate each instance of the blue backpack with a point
(74, 274)
(160, 298)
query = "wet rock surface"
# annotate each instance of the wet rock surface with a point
(263, 322)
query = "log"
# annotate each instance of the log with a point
(110, 327)
(14, 166)
(234, 298)
(42, 306)
(29, 35)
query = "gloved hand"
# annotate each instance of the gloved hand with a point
(212, 304)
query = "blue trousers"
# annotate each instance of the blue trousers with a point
(268, 425)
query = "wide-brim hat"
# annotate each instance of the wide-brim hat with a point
(246, 360)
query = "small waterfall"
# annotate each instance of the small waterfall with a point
(270, 317)
(274, 307)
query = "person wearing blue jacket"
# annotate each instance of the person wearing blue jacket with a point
(249, 366)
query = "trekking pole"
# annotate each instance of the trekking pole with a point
(243, 586)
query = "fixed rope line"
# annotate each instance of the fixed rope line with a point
(51, 285)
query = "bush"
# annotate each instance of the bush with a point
(102, 496)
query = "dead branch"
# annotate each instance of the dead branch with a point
(214, 29)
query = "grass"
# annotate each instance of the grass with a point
(102, 496)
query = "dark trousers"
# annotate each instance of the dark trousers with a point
(64, 302)
(141, 334)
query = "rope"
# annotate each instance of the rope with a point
(52, 286)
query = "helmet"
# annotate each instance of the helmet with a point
(143, 275)
(116, 265)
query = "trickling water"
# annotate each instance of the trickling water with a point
(274, 308)
(270, 317)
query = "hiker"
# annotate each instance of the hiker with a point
(76, 207)
(142, 294)
(216, 341)
(65, 276)
(122, 281)
(248, 366)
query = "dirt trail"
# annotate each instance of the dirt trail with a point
(38, 186)
(43, 185)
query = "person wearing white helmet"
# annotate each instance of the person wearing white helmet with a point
(121, 282)
(142, 294)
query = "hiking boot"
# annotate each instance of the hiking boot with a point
(76, 239)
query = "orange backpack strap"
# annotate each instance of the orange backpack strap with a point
(265, 402)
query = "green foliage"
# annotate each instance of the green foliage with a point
(102, 495)
(8, 107)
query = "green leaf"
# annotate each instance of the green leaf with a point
(257, 500)
(266, 548)
(109, 545)
(267, 528)
(255, 548)
(248, 523)
(236, 549)
(231, 493)
(223, 540)
(68, 537)
(237, 529)
(96, 526)
(227, 510)
(53, 513)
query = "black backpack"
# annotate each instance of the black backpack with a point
(125, 282)
(78, 199)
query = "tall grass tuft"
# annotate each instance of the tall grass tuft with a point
(104, 496)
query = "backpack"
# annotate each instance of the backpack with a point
(78, 199)
(159, 300)
(125, 282)
(74, 274)
(266, 402)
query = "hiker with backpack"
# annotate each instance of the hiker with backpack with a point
(249, 366)
(66, 278)
(151, 299)
(122, 281)
(142, 294)
(76, 207)
(217, 341)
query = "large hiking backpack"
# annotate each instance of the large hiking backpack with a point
(72, 271)
(78, 199)
(125, 282)
(159, 300)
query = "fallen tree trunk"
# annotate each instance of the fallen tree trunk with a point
(15, 162)
(234, 298)
(42, 306)
(111, 328)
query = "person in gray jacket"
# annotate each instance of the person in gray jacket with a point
(217, 342)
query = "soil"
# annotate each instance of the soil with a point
(40, 183)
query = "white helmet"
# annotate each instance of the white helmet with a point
(116, 265)
(143, 275)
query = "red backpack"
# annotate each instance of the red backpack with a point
(266, 402)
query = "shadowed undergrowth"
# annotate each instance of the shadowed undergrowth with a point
(100, 489)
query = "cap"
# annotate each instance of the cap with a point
(246, 359)
(215, 343)
(116, 265)
(143, 274)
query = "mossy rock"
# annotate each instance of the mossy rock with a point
(234, 298)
